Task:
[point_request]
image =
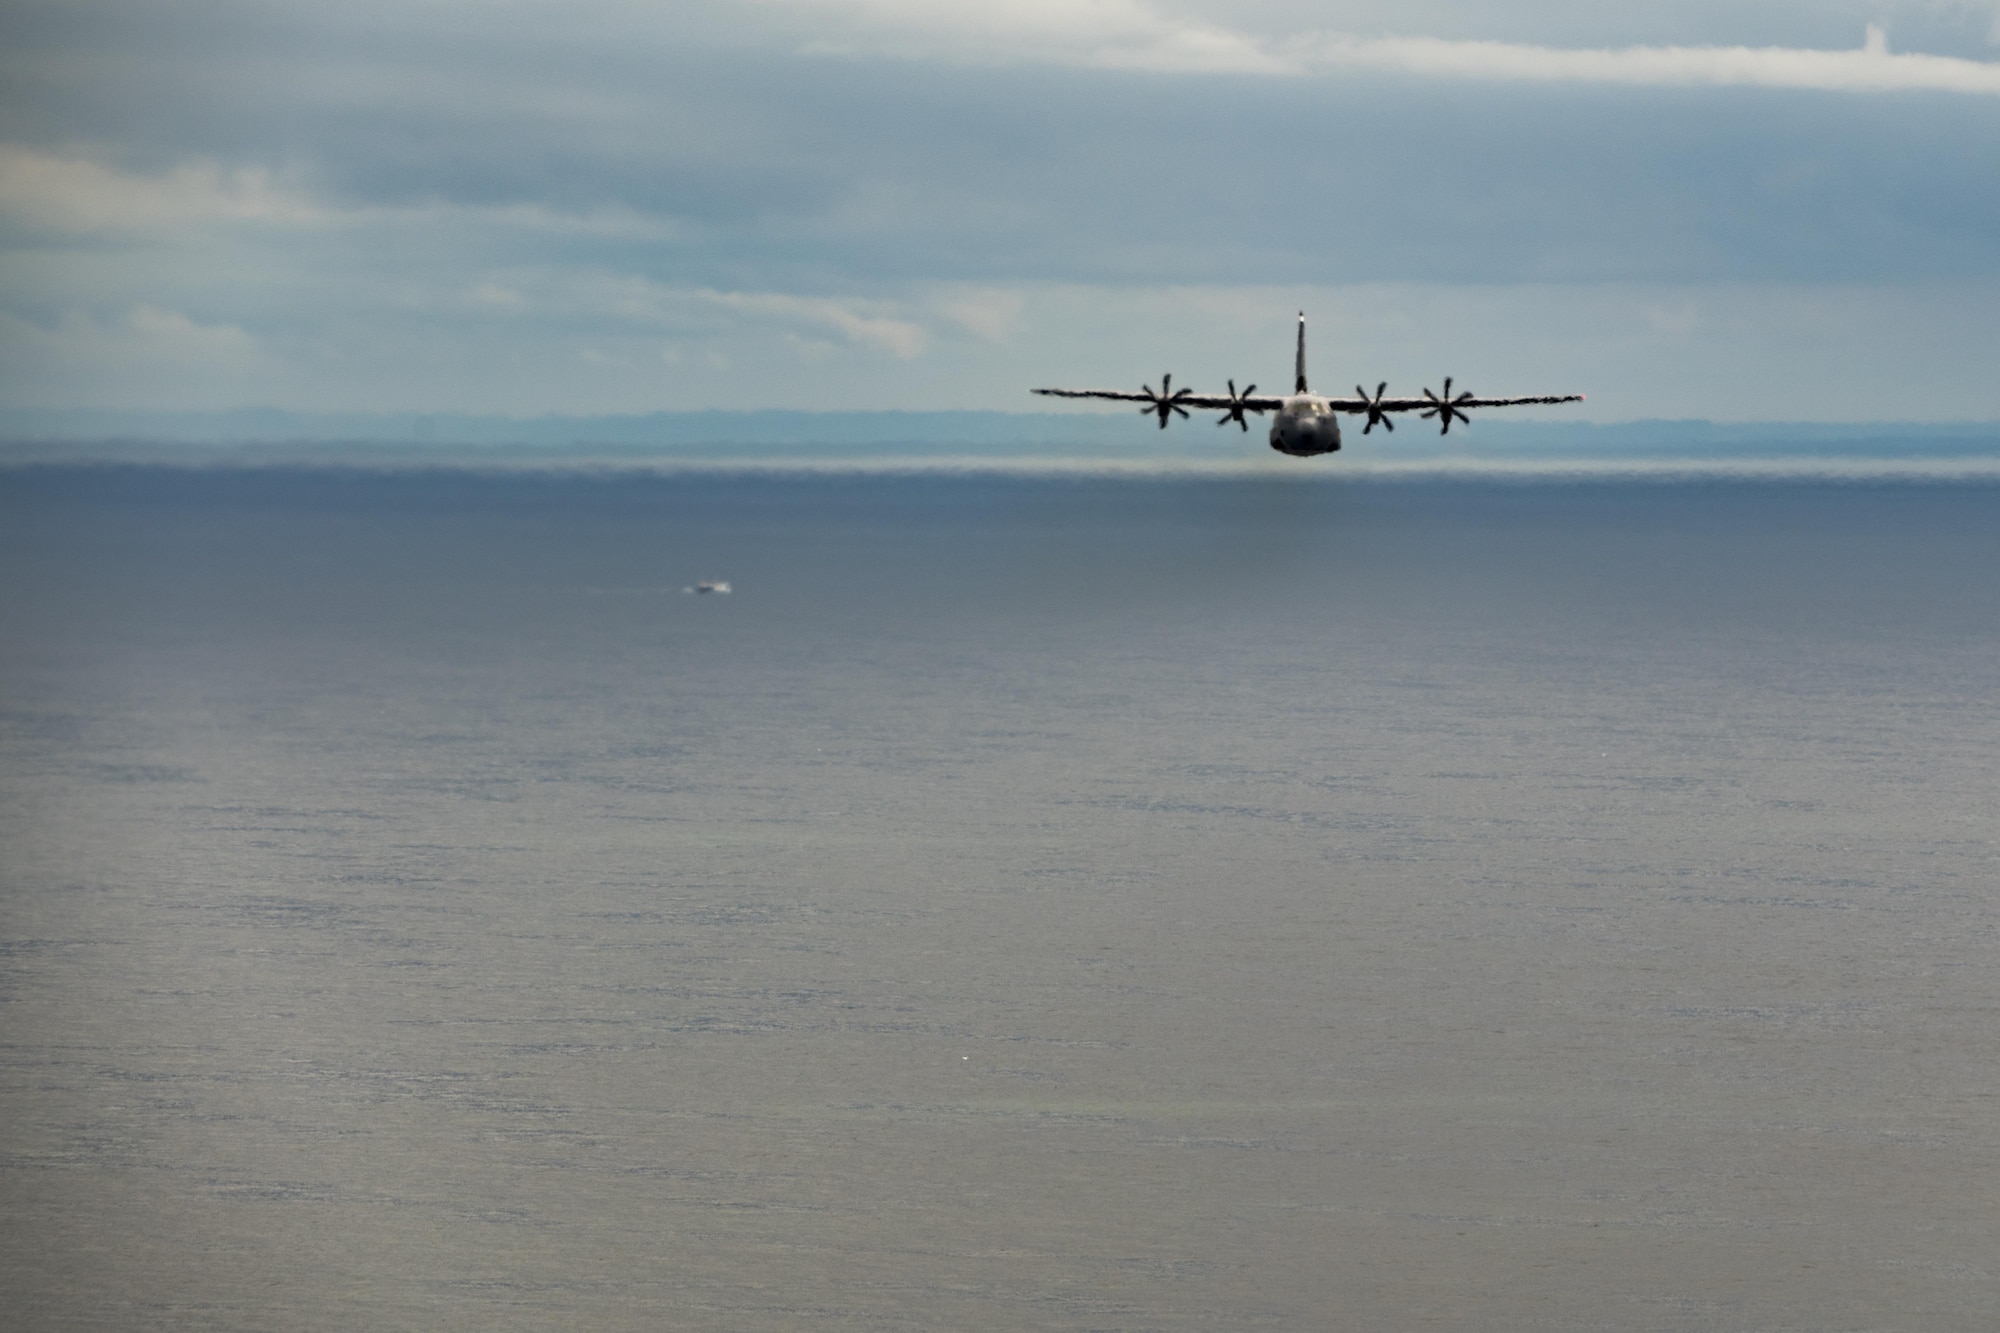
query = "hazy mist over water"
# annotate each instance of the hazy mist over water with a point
(1067, 903)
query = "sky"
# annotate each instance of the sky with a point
(1753, 210)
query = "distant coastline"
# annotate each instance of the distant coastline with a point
(1100, 442)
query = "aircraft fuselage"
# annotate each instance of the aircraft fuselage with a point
(1305, 426)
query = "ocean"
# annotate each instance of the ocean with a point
(1024, 901)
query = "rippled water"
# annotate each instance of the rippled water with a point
(1022, 903)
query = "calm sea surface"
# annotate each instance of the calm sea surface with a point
(1020, 904)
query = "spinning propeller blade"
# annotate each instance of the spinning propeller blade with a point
(1164, 402)
(1445, 407)
(1234, 412)
(1376, 416)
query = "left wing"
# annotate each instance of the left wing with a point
(1443, 406)
(1414, 404)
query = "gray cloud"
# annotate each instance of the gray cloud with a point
(304, 187)
(1140, 34)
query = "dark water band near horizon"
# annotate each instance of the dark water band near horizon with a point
(1023, 902)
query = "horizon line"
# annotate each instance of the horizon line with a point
(10, 414)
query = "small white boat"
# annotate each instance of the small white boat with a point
(710, 585)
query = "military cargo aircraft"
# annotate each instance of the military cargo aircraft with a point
(1306, 423)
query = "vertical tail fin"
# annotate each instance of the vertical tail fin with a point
(1299, 366)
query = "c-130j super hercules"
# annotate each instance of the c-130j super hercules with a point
(1307, 423)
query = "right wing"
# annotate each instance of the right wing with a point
(1181, 397)
(1095, 393)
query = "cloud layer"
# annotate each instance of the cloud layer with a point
(1130, 34)
(76, 194)
(515, 206)
(1870, 69)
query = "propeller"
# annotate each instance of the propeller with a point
(1446, 408)
(1376, 416)
(1236, 408)
(1164, 402)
